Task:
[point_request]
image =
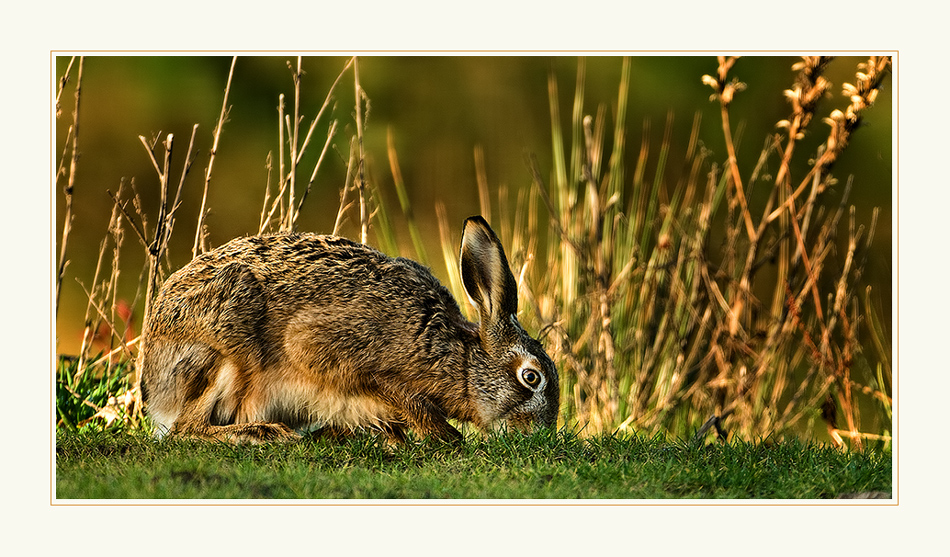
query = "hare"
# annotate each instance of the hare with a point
(268, 336)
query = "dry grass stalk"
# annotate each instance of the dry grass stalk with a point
(653, 330)
(156, 248)
(843, 124)
(103, 330)
(91, 327)
(361, 178)
(403, 196)
(449, 256)
(200, 245)
(809, 88)
(724, 93)
(285, 204)
(654, 327)
(344, 204)
(73, 134)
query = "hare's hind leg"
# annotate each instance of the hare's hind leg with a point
(238, 434)
(197, 422)
(194, 391)
(175, 375)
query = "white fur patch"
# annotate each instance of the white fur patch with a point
(223, 393)
(163, 421)
(317, 406)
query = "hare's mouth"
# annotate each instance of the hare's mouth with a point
(513, 422)
(521, 420)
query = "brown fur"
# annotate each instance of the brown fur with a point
(271, 334)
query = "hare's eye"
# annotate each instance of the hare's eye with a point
(529, 377)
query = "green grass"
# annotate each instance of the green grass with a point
(121, 465)
(640, 280)
(668, 282)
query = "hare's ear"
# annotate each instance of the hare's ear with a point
(485, 274)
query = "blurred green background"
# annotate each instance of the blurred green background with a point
(438, 108)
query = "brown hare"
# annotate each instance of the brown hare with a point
(271, 335)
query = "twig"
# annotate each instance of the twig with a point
(714, 421)
(277, 203)
(404, 202)
(313, 176)
(89, 332)
(346, 186)
(170, 217)
(326, 103)
(71, 181)
(102, 314)
(546, 197)
(161, 221)
(125, 346)
(157, 247)
(214, 150)
(150, 149)
(361, 181)
(282, 180)
(306, 142)
(269, 165)
(138, 232)
(62, 85)
(725, 93)
(294, 135)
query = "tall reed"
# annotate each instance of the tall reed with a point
(668, 305)
(654, 328)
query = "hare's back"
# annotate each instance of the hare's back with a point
(291, 271)
(312, 267)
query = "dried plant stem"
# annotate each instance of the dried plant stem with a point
(279, 200)
(360, 178)
(330, 134)
(294, 132)
(71, 180)
(809, 88)
(89, 330)
(199, 245)
(189, 160)
(725, 93)
(115, 229)
(449, 255)
(277, 203)
(269, 165)
(286, 199)
(125, 347)
(400, 186)
(734, 171)
(62, 85)
(843, 124)
(481, 178)
(153, 255)
(156, 248)
(105, 317)
(313, 176)
(346, 187)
